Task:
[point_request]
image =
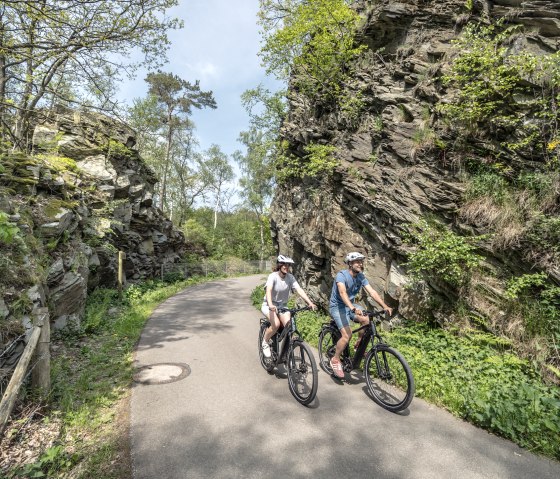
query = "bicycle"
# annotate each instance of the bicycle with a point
(388, 375)
(289, 349)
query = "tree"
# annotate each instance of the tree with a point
(217, 172)
(310, 41)
(177, 98)
(266, 112)
(184, 180)
(72, 51)
(257, 180)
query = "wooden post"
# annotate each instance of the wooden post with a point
(41, 374)
(122, 257)
(10, 396)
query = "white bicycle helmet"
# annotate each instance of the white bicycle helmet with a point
(353, 256)
(284, 259)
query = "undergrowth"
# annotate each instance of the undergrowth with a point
(91, 373)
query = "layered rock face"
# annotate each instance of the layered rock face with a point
(91, 196)
(387, 177)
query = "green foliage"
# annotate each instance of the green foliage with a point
(484, 79)
(538, 300)
(71, 72)
(495, 390)
(512, 96)
(54, 460)
(519, 209)
(312, 39)
(58, 164)
(91, 374)
(318, 162)
(257, 296)
(439, 253)
(520, 283)
(488, 184)
(544, 235)
(237, 234)
(115, 149)
(8, 230)
(351, 106)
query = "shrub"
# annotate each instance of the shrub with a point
(319, 161)
(8, 231)
(437, 252)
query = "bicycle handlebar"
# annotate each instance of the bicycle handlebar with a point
(378, 313)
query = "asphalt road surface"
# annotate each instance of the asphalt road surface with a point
(225, 417)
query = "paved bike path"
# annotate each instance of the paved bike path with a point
(230, 419)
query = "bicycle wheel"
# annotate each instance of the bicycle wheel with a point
(389, 378)
(302, 372)
(266, 363)
(327, 346)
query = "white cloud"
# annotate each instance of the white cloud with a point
(204, 71)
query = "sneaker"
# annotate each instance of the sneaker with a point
(266, 349)
(337, 368)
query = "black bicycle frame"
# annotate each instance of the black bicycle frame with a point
(283, 337)
(353, 361)
(281, 340)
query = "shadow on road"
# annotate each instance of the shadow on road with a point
(193, 311)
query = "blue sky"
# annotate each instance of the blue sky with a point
(218, 46)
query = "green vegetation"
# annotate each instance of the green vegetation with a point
(313, 40)
(475, 376)
(513, 95)
(91, 373)
(237, 234)
(58, 163)
(8, 231)
(536, 301)
(115, 149)
(318, 162)
(520, 210)
(439, 253)
(44, 65)
(477, 381)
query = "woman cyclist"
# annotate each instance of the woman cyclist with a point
(277, 291)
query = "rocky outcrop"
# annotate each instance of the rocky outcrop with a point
(92, 196)
(389, 174)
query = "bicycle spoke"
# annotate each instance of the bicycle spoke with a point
(327, 346)
(302, 373)
(389, 378)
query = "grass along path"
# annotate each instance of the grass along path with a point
(81, 429)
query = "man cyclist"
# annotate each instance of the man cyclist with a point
(346, 286)
(278, 287)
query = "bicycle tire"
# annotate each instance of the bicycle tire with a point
(389, 378)
(301, 368)
(327, 345)
(266, 363)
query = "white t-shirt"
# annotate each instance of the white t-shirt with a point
(281, 288)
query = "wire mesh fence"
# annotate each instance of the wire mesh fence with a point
(209, 267)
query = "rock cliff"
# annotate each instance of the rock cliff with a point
(388, 175)
(82, 196)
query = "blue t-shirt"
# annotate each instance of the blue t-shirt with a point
(353, 285)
